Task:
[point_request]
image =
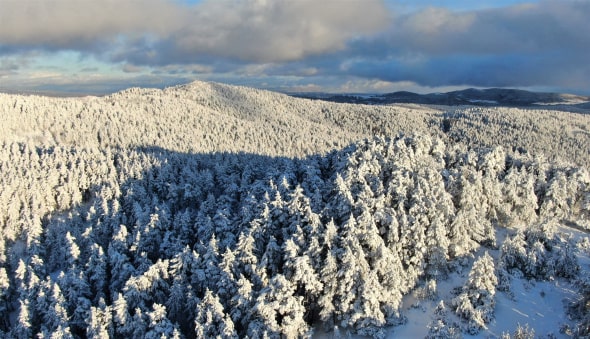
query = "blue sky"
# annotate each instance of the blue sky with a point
(101, 46)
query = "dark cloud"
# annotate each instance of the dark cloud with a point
(528, 28)
(10, 66)
(129, 68)
(543, 44)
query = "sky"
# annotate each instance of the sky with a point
(355, 46)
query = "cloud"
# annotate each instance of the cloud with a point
(11, 66)
(166, 32)
(85, 84)
(129, 68)
(183, 69)
(8, 67)
(282, 30)
(547, 43)
(525, 28)
(79, 25)
(288, 43)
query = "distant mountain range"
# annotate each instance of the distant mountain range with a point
(471, 96)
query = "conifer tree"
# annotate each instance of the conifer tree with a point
(476, 302)
(280, 311)
(22, 328)
(211, 321)
(100, 321)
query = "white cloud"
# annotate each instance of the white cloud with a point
(58, 24)
(163, 32)
(275, 30)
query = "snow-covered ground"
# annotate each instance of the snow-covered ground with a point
(539, 304)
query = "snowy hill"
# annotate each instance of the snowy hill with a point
(210, 210)
(209, 117)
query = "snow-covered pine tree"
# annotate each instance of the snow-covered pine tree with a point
(120, 267)
(279, 312)
(513, 253)
(519, 195)
(96, 270)
(100, 321)
(476, 303)
(5, 306)
(159, 325)
(329, 277)
(22, 327)
(241, 304)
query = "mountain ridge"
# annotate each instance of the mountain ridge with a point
(470, 97)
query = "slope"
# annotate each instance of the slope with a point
(205, 117)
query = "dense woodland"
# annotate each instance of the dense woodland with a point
(209, 117)
(212, 211)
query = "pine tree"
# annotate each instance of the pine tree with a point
(280, 311)
(329, 279)
(566, 264)
(389, 269)
(241, 304)
(151, 286)
(437, 254)
(121, 317)
(441, 327)
(246, 259)
(4, 299)
(211, 320)
(476, 302)
(55, 317)
(96, 271)
(340, 206)
(100, 321)
(22, 328)
(519, 193)
(77, 293)
(210, 261)
(298, 270)
(120, 267)
(226, 286)
(159, 325)
(137, 325)
(368, 317)
(514, 252)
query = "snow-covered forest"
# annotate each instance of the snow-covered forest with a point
(208, 210)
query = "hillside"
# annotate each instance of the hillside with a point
(209, 117)
(210, 210)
